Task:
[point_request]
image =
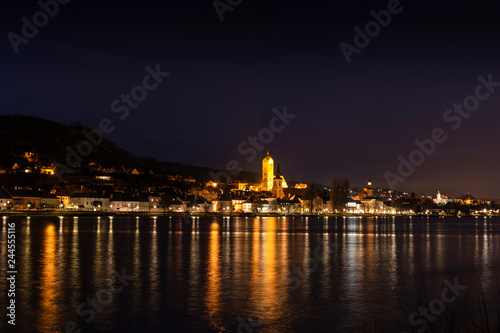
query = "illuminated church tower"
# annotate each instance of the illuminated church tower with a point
(278, 184)
(369, 189)
(267, 173)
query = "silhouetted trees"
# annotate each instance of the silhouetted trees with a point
(317, 204)
(339, 193)
(166, 202)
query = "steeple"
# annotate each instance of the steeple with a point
(369, 189)
(278, 183)
(278, 172)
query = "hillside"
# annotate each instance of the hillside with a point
(48, 140)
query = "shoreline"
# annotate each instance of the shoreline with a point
(178, 214)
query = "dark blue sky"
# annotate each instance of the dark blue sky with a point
(353, 120)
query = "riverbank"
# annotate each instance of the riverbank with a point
(179, 214)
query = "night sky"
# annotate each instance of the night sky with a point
(353, 120)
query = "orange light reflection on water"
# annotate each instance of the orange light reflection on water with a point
(266, 295)
(47, 320)
(213, 297)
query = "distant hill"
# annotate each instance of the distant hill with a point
(48, 140)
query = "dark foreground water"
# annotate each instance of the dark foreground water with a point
(243, 274)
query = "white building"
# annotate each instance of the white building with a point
(89, 202)
(154, 201)
(374, 206)
(441, 199)
(120, 202)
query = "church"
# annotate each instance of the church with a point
(273, 182)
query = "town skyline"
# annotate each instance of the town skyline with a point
(233, 171)
(250, 166)
(259, 151)
(86, 185)
(225, 77)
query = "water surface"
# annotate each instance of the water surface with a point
(269, 274)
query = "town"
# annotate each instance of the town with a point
(93, 188)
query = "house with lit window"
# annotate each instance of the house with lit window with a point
(46, 170)
(354, 206)
(63, 200)
(225, 203)
(89, 202)
(179, 204)
(26, 199)
(249, 206)
(121, 202)
(49, 201)
(198, 204)
(373, 205)
(154, 200)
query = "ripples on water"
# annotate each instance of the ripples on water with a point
(217, 274)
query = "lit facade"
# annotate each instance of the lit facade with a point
(278, 184)
(441, 199)
(269, 180)
(267, 173)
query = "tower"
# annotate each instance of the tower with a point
(369, 189)
(267, 173)
(278, 184)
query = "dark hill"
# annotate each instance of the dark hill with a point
(49, 139)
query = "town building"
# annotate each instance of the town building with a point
(120, 202)
(441, 199)
(269, 179)
(277, 190)
(26, 199)
(89, 202)
(267, 173)
(50, 201)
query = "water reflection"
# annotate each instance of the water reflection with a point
(26, 279)
(213, 297)
(203, 275)
(74, 261)
(154, 276)
(137, 266)
(49, 286)
(267, 290)
(109, 263)
(194, 271)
